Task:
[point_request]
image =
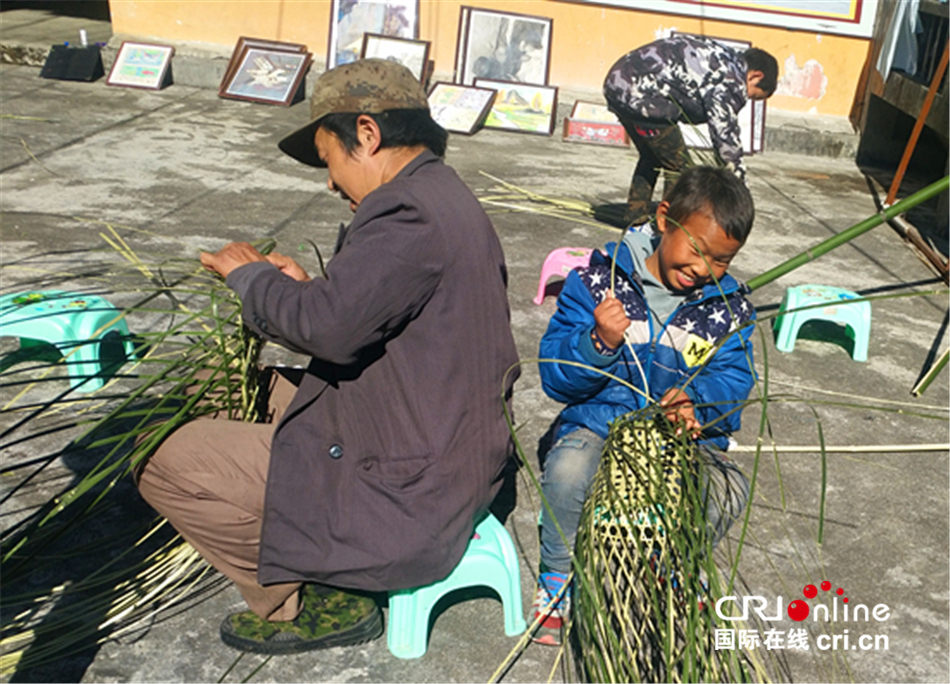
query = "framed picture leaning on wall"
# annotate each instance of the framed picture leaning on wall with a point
(267, 75)
(459, 108)
(502, 46)
(412, 54)
(592, 122)
(245, 42)
(350, 19)
(521, 107)
(141, 65)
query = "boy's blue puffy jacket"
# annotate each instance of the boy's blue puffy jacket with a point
(688, 346)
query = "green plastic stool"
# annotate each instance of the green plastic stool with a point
(829, 304)
(490, 560)
(76, 324)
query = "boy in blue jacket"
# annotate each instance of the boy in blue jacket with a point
(674, 315)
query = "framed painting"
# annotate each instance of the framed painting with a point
(521, 107)
(502, 46)
(267, 75)
(458, 108)
(350, 19)
(592, 122)
(412, 54)
(245, 42)
(141, 65)
(593, 111)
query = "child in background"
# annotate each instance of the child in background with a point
(671, 305)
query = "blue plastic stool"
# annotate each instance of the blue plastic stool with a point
(74, 323)
(490, 560)
(829, 304)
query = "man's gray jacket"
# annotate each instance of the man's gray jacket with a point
(396, 438)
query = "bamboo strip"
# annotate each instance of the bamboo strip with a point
(854, 231)
(861, 449)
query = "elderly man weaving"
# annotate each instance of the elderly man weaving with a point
(381, 456)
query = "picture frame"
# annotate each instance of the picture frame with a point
(584, 110)
(413, 54)
(521, 107)
(502, 46)
(459, 108)
(141, 65)
(350, 19)
(593, 122)
(245, 41)
(267, 75)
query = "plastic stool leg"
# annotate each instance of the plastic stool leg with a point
(860, 351)
(510, 588)
(788, 325)
(84, 365)
(406, 634)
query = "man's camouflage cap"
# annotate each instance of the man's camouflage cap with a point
(367, 86)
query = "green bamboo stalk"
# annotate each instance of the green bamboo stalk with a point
(854, 231)
(931, 374)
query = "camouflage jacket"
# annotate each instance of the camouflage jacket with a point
(688, 79)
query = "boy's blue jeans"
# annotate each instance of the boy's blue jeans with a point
(570, 467)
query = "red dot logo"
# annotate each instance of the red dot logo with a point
(798, 610)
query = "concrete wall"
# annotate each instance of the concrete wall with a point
(820, 73)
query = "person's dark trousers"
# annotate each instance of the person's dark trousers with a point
(660, 145)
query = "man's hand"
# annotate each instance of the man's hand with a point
(230, 257)
(288, 266)
(611, 321)
(679, 410)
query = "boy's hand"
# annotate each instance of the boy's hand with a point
(611, 321)
(679, 410)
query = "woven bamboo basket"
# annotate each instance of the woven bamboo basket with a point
(644, 563)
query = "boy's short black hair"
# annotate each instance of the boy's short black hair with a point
(717, 190)
(397, 128)
(760, 60)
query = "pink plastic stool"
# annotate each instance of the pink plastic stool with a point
(560, 262)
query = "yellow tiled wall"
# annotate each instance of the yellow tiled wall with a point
(820, 73)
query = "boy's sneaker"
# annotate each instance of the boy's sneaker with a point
(552, 604)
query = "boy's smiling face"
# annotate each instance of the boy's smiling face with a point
(689, 256)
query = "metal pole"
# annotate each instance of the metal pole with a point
(918, 127)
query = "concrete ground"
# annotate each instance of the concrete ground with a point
(195, 171)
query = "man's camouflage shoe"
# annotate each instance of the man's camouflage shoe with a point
(330, 617)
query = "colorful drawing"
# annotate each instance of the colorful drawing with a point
(521, 107)
(595, 132)
(459, 108)
(140, 65)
